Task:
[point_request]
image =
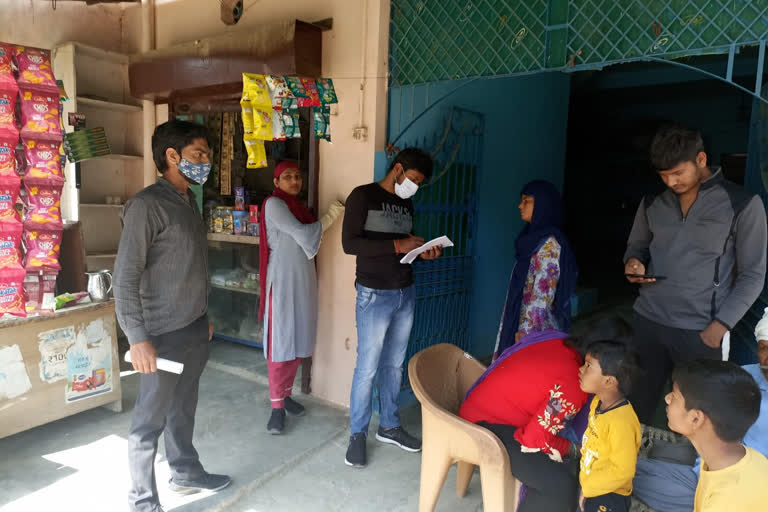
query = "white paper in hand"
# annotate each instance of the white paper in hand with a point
(162, 364)
(442, 241)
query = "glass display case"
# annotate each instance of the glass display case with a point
(233, 305)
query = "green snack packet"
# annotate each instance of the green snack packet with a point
(322, 117)
(299, 91)
(327, 91)
(291, 124)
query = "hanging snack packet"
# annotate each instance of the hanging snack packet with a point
(43, 160)
(291, 124)
(322, 117)
(12, 292)
(257, 154)
(7, 81)
(327, 91)
(280, 94)
(262, 124)
(43, 246)
(40, 115)
(299, 92)
(278, 128)
(35, 70)
(10, 245)
(8, 156)
(43, 202)
(255, 90)
(311, 87)
(9, 194)
(8, 114)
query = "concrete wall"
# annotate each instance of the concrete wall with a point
(525, 139)
(344, 164)
(35, 23)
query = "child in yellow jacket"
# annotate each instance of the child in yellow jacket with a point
(612, 438)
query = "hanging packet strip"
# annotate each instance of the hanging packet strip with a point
(322, 118)
(8, 156)
(299, 92)
(12, 292)
(311, 87)
(255, 103)
(40, 115)
(7, 81)
(43, 246)
(35, 70)
(43, 160)
(280, 94)
(9, 195)
(291, 124)
(43, 202)
(10, 245)
(327, 91)
(8, 114)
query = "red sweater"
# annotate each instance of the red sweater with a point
(536, 390)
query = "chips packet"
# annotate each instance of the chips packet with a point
(299, 91)
(40, 115)
(43, 246)
(322, 118)
(10, 245)
(33, 295)
(327, 91)
(8, 156)
(9, 196)
(291, 124)
(257, 154)
(278, 128)
(280, 94)
(43, 160)
(7, 80)
(35, 70)
(12, 292)
(310, 85)
(43, 202)
(8, 114)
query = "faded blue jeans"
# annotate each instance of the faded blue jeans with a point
(384, 321)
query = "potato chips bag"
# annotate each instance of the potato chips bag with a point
(280, 94)
(255, 91)
(291, 124)
(43, 202)
(9, 195)
(278, 128)
(327, 91)
(311, 87)
(35, 70)
(322, 117)
(8, 114)
(7, 81)
(10, 245)
(12, 292)
(43, 246)
(43, 160)
(257, 154)
(299, 91)
(7, 156)
(40, 115)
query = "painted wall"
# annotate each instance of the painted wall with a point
(344, 164)
(35, 23)
(525, 139)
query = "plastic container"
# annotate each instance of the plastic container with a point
(240, 223)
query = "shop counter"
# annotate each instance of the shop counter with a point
(55, 366)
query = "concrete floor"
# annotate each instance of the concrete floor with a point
(80, 463)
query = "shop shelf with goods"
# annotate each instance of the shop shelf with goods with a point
(234, 301)
(96, 82)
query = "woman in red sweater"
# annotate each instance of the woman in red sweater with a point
(527, 397)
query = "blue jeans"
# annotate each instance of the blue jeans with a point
(384, 321)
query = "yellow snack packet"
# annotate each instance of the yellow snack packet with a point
(257, 154)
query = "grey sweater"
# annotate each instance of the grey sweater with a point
(714, 259)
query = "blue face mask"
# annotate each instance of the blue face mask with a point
(197, 173)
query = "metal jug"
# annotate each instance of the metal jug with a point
(98, 289)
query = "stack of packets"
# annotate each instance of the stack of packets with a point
(30, 155)
(84, 144)
(270, 110)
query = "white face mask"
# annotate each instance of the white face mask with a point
(407, 189)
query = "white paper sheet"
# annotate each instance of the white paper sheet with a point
(163, 364)
(442, 241)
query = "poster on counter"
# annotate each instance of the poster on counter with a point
(82, 356)
(14, 380)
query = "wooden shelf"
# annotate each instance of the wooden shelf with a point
(233, 239)
(95, 205)
(107, 105)
(235, 289)
(135, 158)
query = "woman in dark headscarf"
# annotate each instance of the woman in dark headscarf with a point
(544, 277)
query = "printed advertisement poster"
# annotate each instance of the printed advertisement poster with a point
(14, 380)
(54, 346)
(89, 363)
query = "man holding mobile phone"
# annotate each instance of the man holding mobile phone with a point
(707, 238)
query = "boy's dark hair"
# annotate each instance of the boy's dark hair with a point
(616, 360)
(414, 158)
(674, 144)
(725, 392)
(174, 134)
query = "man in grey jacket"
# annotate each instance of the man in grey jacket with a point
(698, 249)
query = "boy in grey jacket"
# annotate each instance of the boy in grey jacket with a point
(706, 237)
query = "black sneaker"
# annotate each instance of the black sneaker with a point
(207, 482)
(356, 453)
(276, 423)
(293, 407)
(399, 437)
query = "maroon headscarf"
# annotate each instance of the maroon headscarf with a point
(298, 210)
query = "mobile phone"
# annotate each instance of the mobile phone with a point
(642, 276)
